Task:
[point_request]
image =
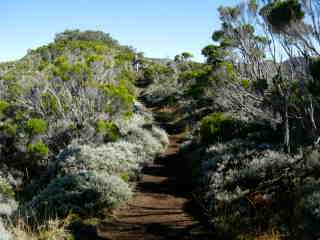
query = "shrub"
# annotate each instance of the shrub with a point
(148, 140)
(4, 105)
(50, 103)
(77, 35)
(245, 83)
(313, 205)
(7, 202)
(161, 136)
(124, 57)
(111, 158)
(94, 58)
(62, 68)
(152, 140)
(38, 149)
(121, 99)
(53, 229)
(85, 194)
(8, 129)
(109, 130)
(217, 127)
(196, 91)
(36, 126)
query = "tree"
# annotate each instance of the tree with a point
(280, 54)
(183, 57)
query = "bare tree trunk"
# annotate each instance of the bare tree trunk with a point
(286, 126)
(312, 120)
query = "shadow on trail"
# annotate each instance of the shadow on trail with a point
(162, 207)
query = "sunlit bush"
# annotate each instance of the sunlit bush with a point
(36, 126)
(111, 158)
(85, 193)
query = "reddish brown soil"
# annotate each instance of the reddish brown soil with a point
(158, 210)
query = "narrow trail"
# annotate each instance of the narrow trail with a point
(159, 209)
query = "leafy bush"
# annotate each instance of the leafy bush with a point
(94, 58)
(236, 176)
(85, 193)
(109, 130)
(7, 202)
(111, 158)
(8, 129)
(72, 35)
(152, 142)
(217, 127)
(50, 103)
(36, 126)
(4, 105)
(121, 98)
(245, 83)
(38, 149)
(154, 72)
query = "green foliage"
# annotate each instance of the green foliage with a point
(43, 65)
(49, 102)
(120, 96)
(62, 68)
(38, 149)
(4, 105)
(93, 58)
(214, 54)
(15, 90)
(186, 55)
(36, 126)
(9, 76)
(89, 36)
(82, 71)
(216, 127)
(66, 71)
(229, 12)
(245, 83)
(195, 91)
(183, 57)
(128, 77)
(229, 70)
(125, 177)
(109, 129)
(8, 129)
(154, 71)
(6, 188)
(282, 13)
(124, 56)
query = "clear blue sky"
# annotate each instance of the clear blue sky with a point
(159, 28)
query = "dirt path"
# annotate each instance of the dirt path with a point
(158, 210)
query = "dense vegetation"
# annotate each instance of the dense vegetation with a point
(73, 137)
(250, 120)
